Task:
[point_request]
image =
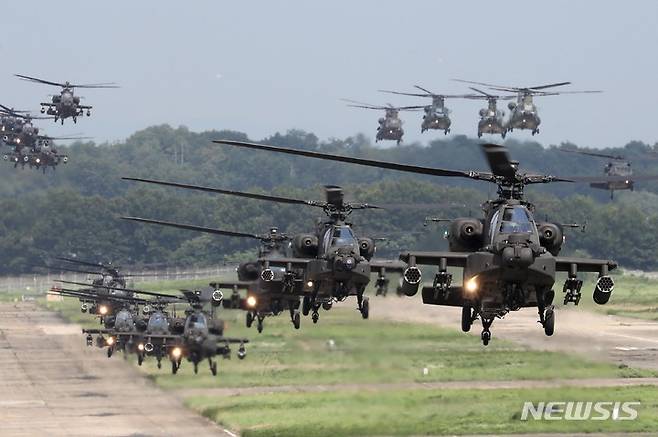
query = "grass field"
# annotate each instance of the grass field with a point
(344, 349)
(417, 412)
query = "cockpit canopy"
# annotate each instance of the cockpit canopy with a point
(197, 322)
(516, 219)
(339, 236)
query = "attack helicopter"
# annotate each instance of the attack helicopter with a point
(437, 115)
(492, 120)
(617, 173)
(390, 126)
(263, 298)
(66, 104)
(509, 260)
(524, 114)
(331, 262)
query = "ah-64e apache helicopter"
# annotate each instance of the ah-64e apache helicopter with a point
(509, 260)
(329, 264)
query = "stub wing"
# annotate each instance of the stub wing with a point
(392, 266)
(284, 262)
(566, 264)
(452, 259)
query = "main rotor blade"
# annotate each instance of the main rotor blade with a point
(87, 272)
(36, 79)
(193, 227)
(228, 192)
(499, 161)
(82, 263)
(599, 155)
(96, 85)
(404, 94)
(129, 290)
(551, 85)
(424, 89)
(361, 161)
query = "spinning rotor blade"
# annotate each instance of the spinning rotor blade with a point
(70, 85)
(35, 79)
(599, 155)
(82, 263)
(541, 87)
(425, 90)
(194, 228)
(86, 272)
(229, 192)
(361, 161)
(405, 94)
(96, 85)
(499, 161)
(129, 290)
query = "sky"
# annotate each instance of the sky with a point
(268, 66)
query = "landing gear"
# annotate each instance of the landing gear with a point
(75, 119)
(468, 317)
(535, 131)
(196, 367)
(110, 350)
(327, 306)
(159, 363)
(315, 316)
(398, 142)
(213, 366)
(486, 333)
(479, 134)
(306, 305)
(174, 367)
(503, 134)
(364, 307)
(140, 359)
(446, 132)
(250, 319)
(296, 319)
(259, 326)
(549, 321)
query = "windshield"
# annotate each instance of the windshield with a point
(196, 321)
(339, 236)
(516, 220)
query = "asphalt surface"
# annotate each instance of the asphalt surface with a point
(52, 384)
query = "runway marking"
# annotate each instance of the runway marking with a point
(633, 337)
(26, 403)
(230, 433)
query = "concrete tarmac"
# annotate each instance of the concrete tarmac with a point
(52, 384)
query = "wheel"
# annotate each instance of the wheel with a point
(213, 368)
(140, 359)
(549, 322)
(196, 368)
(486, 337)
(250, 319)
(365, 308)
(110, 350)
(159, 364)
(467, 318)
(315, 317)
(296, 320)
(326, 306)
(260, 326)
(174, 368)
(306, 305)
(479, 134)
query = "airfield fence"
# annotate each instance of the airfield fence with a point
(39, 284)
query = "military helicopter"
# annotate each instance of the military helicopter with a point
(437, 115)
(390, 126)
(618, 174)
(509, 260)
(264, 298)
(66, 104)
(334, 264)
(524, 113)
(492, 120)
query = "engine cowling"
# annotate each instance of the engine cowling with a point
(466, 235)
(305, 245)
(511, 106)
(483, 112)
(366, 248)
(249, 271)
(551, 237)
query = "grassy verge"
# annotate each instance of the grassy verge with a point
(419, 412)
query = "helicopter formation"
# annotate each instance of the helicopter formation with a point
(523, 111)
(27, 146)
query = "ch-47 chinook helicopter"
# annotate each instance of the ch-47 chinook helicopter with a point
(492, 120)
(617, 173)
(437, 115)
(66, 104)
(390, 125)
(263, 298)
(524, 113)
(509, 260)
(332, 263)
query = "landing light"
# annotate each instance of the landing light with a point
(251, 301)
(102, 310)
(309, 284)
(110, 341)
(471, 285)
(140, 347)
(176, 352)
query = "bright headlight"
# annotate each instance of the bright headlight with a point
(110, 341)
(471, 285)
(140, 347)
(251, 301)
(176, 352)
(309, 284)
(102, 310)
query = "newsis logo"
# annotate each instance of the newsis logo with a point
(580, 410)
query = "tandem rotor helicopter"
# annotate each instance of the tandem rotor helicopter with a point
(390, 126)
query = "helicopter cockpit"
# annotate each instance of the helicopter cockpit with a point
(512, 220)
(339, 237)
(618, 169)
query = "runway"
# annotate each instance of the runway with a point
(52, 384)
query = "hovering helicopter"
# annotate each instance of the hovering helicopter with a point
(492, 120)
(509, 260)
(264, 298)
(524, 113)
(437, 115)
(66, 104)
(618, 173)
(390, 126)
